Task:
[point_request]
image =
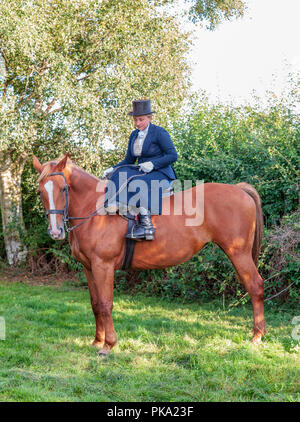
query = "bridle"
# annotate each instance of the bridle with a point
(65, 211)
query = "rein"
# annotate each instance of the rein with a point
(65, 211)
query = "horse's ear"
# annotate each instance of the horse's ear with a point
(62, 163)
(37, 165)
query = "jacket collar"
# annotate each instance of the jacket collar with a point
(147, 140)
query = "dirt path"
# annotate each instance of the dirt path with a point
(25, 276)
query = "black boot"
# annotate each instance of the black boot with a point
(144, 230)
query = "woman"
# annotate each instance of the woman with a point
(154, 151)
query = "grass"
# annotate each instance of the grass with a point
(167, 351)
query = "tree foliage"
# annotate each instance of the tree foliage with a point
(213, 12)
(225, 144)
(71, 69)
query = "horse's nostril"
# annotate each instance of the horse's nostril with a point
(56, 233)
(61, 233)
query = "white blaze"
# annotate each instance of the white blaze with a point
(49, 188)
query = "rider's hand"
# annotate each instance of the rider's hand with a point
(107, 172)
(147, 166)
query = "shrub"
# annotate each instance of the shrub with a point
(280, 260)
(210, 273)
(229, 145)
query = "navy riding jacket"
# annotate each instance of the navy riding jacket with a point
(158, 148)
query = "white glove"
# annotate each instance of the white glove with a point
(147, 166)
(107, 171)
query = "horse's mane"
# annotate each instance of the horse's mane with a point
(48, 168)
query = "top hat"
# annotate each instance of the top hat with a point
(141, 108)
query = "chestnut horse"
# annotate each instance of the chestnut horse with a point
(232, 219)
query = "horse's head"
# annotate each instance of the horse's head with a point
(53, 190)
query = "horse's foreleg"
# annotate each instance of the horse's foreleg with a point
(250, 278)
(100, 331)
(103, 274)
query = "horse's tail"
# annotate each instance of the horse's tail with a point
(259, 226)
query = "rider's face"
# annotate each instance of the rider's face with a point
(141, 122)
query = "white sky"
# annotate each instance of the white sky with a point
(253, 53)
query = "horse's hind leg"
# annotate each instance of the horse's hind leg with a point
(250, 278)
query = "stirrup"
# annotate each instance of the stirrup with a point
(141, 237)
(132, 235)
(147, 232)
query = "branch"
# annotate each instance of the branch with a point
(44, 67)
(9, 80)
(54, 111)
(6, 84)
(86, 76)
(50, 106)
(5, 60)
(23, 99)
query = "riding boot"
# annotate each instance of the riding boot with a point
(144, 230)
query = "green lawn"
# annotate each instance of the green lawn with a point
(166, 351)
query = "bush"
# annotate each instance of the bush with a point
(210, 273)
(224, 144)
(206, 275)
(280, 260)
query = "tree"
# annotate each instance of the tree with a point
(210, 12)
(216, 11)
(68, 72)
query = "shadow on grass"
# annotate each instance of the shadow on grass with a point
(144, 318)
(166, 351)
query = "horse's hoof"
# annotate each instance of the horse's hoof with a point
(256, 340)
(97, 344)
(103, 352)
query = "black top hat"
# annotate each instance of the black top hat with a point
(141, 108)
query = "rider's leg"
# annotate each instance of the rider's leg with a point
(145, 229)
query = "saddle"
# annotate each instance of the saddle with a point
(132, 221)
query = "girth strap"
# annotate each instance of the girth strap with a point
(129, 245)
(129, 250)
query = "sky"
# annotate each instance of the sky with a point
(255, 52)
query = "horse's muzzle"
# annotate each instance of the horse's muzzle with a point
(57, 234)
